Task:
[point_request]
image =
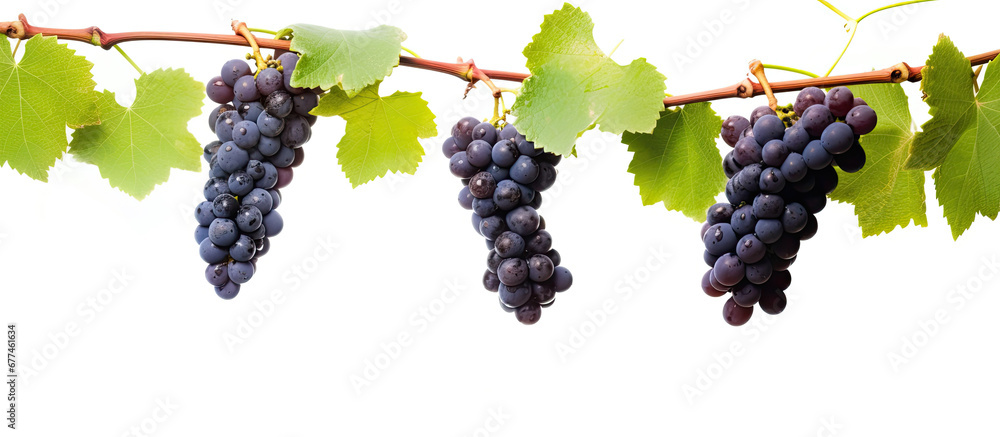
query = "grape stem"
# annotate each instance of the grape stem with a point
(124, 55)
(790, 69)
(852, 25)
(241, 29)
(469, 72)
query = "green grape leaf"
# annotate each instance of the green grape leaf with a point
(574, 86)
(381, 134)
(678, 163)
(135, 147)
(967, 182)
(947, 82)
(350, 59)
(49, 89)
(884, 193)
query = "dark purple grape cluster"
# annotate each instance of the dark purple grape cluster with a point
(778, 180)
(504, 176)
(261, 124)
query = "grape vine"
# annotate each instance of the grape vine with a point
(571, 86)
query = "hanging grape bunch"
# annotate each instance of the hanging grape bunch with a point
(504, 176)
(778, 181)
(261, 124)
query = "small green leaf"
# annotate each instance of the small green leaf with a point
(381, 134)
(350, 59)
(135, 147)
(574, 86)
(678, 163)
(49, 89)
(884, 193)
(967, 182)
(947, 81)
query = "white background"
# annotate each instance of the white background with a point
(154, 355)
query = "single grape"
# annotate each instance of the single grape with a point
(504, 153)
(815, 119)
(786, 247)
(794, 218)
(796, 138)
(218, 91)
(768, 230)
(720, 213)
(815, 155)
(523, 220)
(759, 272)
(217, 274)
(862, 119)
(837, 138)
(225, 206)
(245, 89)
(729, 269)
(482, 185)
(747, 294)
(260, 199)
(492, 227)
(449, 148)
(270, 177)
(269, 80)
(772, 180)
(461, 167)
(808, 97)
(211, 253)
(840, 100)
(774, 153)
(729, 164)
(479, 153)
(720, 239)
(296, 131)
(273, 224)
(539, 242)
(794, 168)
(750, 249)
(215, 187)
(542, 292)
(512, 271)
(734, 314)
(490, 281)
(514, 295)
(852, 160)
(747, 152)
(305, 102)
(529, 313)
(525, 170)
(772, 300)
(278, 104)
(546, 177)
(561, 279)
(731, 128)
(507, 195)
(810, 230)
(240, 272)
(768, 206)
(758, 113)
(767, 128)
(743, 221)
(484, 131)
(232, 70)
(509, 244)
(243, 249)
(270, 125)
(540, 268)
(228, 291)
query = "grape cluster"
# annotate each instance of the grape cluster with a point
(778, 181)
(261, 124)
(504, 176)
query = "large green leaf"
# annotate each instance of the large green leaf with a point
(49, 89)
(947, 82)
(884, 193)
(135, 147)
(350, 59)
(382, 132)
(574, 86)
(678, 163)
(968, 181)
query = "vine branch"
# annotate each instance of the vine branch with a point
(468, 71)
